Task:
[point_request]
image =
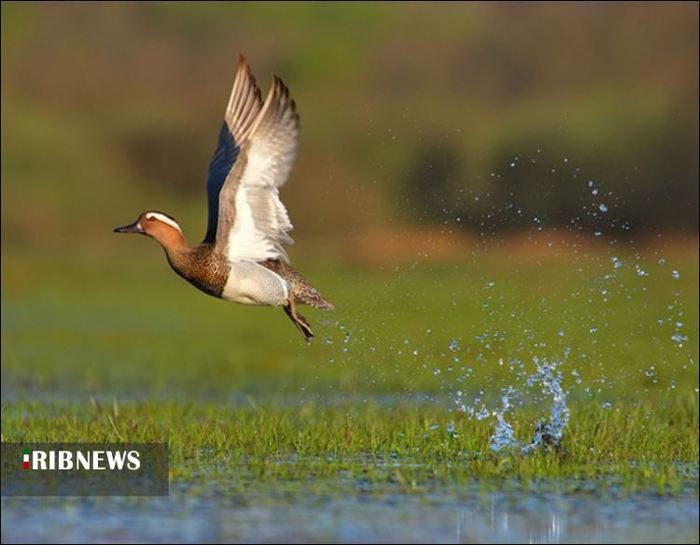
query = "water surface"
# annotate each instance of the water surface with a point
(513, 517)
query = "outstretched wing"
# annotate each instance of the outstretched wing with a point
(243, 109)
(253, 223)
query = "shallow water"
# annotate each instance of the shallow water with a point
(479, 517)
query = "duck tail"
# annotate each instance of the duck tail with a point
(301, 291)
(308, 295)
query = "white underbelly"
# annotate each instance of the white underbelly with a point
(252, 284)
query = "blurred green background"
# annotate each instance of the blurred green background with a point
(453, 161)
(409, 112)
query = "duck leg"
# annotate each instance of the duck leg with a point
(298, 319)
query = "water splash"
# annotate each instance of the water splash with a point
(503, 437)
(548, 432)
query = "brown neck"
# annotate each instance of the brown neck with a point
(172, 241)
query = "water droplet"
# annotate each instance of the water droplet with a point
(451, 430)
(483, 413)
(676, 275)
(679, 339)
(603, 208)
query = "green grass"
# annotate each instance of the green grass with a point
(216, 447)
(118, 348)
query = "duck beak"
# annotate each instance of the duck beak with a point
(131, 228)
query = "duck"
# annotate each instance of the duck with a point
(242, 257)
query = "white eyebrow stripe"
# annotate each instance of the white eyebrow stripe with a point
(164, 219)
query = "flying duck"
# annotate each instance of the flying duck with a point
(242, 257)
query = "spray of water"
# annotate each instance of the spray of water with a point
(619, 275)
(548, 432)
(503, 437)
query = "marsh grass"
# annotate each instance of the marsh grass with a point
(409, 448)
(127, 352)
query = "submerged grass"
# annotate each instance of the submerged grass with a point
(98, 352)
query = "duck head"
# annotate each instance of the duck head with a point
(157, 225)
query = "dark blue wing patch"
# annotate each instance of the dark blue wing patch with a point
(221, 163)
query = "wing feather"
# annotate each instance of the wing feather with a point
(242, 110)
(253, 222)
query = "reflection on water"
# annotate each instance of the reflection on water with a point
(481, 517)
